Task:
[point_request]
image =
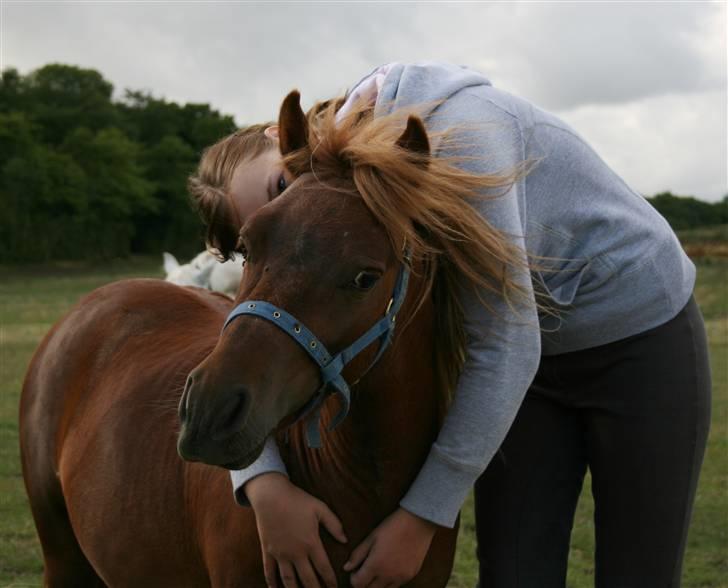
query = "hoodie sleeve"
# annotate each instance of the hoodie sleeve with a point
(502, 354)
(269, 461)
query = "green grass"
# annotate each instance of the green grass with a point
(33, 298)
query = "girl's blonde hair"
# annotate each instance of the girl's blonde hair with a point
(209, 186)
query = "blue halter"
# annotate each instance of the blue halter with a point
(330, 366)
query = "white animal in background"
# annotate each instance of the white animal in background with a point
(204, 271)
(225, 277)
(195, 273)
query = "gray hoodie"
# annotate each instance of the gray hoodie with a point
(621, 269)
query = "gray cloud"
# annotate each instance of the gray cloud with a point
(671, 142)
(567, 55)
(597, 64)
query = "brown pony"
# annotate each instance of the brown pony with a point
(113, 502)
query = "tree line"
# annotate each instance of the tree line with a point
(686, 212)
(84, 176)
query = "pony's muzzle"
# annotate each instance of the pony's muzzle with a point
(209, 420)
(231, 416)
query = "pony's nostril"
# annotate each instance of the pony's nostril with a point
(232, 416)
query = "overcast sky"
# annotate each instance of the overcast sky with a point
(644, 82)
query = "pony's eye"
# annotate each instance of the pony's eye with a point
(365, 280)
(281, 184)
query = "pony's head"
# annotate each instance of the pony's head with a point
(318, 252)
(328, 252)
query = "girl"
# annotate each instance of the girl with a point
(620, 383)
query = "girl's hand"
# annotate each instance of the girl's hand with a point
(393, 552)
(288, 522)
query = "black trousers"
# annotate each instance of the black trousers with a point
(636, 412)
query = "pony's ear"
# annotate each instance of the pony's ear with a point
(170, 262)
(414, 138)
(292, 124)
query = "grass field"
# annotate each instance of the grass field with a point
(33, 298)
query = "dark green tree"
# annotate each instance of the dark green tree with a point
(172, 225)
(43, 195)
(11, 90)
(116, 189)
(60, 98)
(686, 212)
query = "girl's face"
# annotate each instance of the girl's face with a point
(257, 181)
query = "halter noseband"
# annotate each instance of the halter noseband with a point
(330, 366)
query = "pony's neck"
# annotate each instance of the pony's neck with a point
(370, 460)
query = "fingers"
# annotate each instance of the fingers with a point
(288, 574)
(332, 523)
(321, 563)
(269, 569)
(302, 572)
(364, 576)
(306, 574)
(359, 554)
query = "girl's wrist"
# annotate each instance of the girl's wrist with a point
(425, 525)
(264, 486)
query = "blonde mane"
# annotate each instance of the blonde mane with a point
(426, 202)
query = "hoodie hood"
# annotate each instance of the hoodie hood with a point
(424, 85)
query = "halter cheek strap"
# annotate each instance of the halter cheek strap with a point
(330, 366)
